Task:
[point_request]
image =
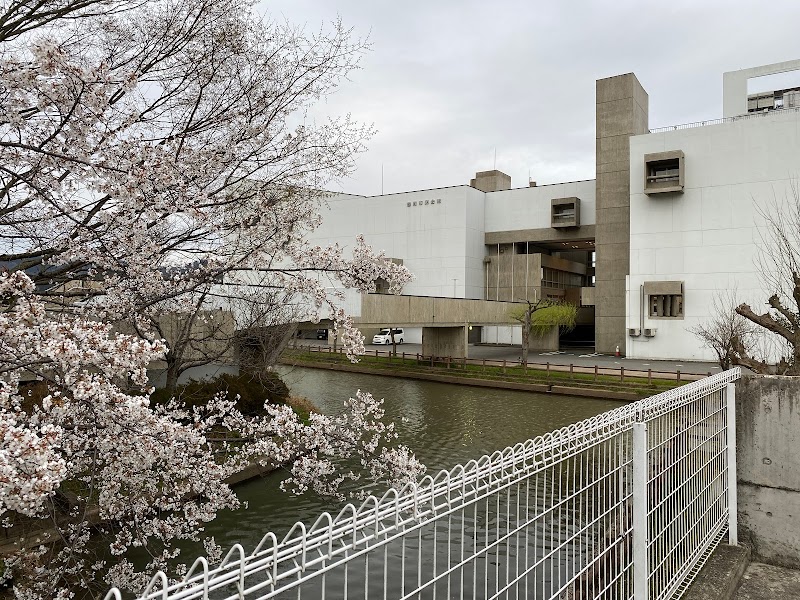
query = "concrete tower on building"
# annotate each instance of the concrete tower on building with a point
(621, 113)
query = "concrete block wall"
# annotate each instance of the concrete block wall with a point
(768, 467)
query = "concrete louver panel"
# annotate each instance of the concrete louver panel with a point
(565, 212)
(664, 172)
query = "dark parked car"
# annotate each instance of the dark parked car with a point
(322, 334)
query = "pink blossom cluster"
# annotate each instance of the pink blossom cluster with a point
(154, 474)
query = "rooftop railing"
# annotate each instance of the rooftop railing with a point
(753, 115)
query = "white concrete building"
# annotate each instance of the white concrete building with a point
(671, 221)
(441, 236)
(705, 237)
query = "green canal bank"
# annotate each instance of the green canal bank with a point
(557, 380)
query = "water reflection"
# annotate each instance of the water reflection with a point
(444, 424)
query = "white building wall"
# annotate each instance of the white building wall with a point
(475, 249)
(427, 229)
(529, 208)
(707, 236)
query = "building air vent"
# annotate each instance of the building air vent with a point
(663, 172)
(650, 332)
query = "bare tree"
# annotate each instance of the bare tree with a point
(727, 332)
(779, 267)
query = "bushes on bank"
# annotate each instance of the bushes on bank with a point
(252, 391)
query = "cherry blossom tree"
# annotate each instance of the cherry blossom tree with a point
(153, 155)
(157, 158)
(133, 475)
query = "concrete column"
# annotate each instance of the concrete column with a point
(445, 341)
(621, 112)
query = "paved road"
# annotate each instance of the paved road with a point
(585, 358)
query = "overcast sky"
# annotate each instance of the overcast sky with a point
(449, 81)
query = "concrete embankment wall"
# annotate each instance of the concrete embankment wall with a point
(768, 463)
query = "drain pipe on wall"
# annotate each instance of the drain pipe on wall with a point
(641, 309)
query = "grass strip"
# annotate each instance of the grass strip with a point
(514, 373)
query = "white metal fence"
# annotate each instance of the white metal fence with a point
(627, 503)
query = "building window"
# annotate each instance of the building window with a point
(663, 172)
(561, 280)
(381, 286)
(666, 306)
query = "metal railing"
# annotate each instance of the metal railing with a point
(447, 362)
(625, 504)
(753, 115)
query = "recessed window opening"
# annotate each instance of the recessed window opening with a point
(663, 171)
(563, 213)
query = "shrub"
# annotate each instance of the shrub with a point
(253, 391)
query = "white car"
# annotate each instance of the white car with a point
(385, 336)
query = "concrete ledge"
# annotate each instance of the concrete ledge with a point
(250, 472)
(594, 393)
(768, 582)
(721, 575)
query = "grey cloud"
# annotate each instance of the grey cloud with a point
(448, 81)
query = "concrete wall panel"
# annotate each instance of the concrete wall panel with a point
(768, 469)
(445, 341)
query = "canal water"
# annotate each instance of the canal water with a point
(443, 424)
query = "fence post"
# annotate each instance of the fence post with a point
(730, 400)
(679, 375)
(640, 526)
(504, 366)
(595, 372)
